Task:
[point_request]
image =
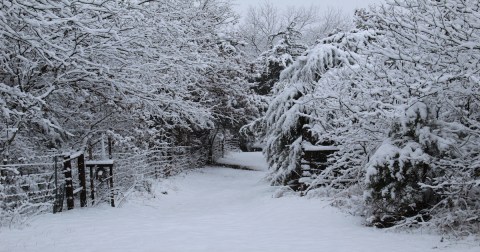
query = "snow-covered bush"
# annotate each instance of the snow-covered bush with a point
(401, 103)
(426, 165)
(397, 168)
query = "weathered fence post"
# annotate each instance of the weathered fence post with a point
(92, 185)
(110, 146)
(112, 196)
(67, 169)
(82, 178)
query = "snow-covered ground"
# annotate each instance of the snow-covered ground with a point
(215, 209)
(250, 160)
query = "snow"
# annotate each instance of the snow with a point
(77, 190)
(100, 162)
(251, 160)
(310, 147)
(383, 154)
(215, 209)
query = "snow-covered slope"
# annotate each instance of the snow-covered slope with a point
(215, 209)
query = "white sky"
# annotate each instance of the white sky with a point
(241, 6)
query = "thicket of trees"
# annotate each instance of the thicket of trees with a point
(399, 97)
(148, 72)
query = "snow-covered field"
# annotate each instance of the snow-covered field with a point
(215, 209)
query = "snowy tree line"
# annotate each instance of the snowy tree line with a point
(145, 72)
(398, 95)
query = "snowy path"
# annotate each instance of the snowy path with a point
(214, 209)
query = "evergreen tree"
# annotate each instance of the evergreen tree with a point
(297, 116)
(272, 62)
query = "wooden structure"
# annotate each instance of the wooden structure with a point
(101, 170)
(316, 157)
(67, 170)
(313, 161)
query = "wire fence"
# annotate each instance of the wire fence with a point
(25, 190)
(28, 189)
(222, 147)
(153, 164)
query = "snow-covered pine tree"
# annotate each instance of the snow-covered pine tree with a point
(272, 62)
(264, 73)
(304, 104)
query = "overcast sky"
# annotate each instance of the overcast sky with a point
(348, 6)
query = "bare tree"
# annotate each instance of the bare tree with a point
(260, 23)
(331, 20)
(264, 22)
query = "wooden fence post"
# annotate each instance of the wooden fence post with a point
(67, 169)
(92, 185)
(110, 147)
(82, 178)
(112, 196)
